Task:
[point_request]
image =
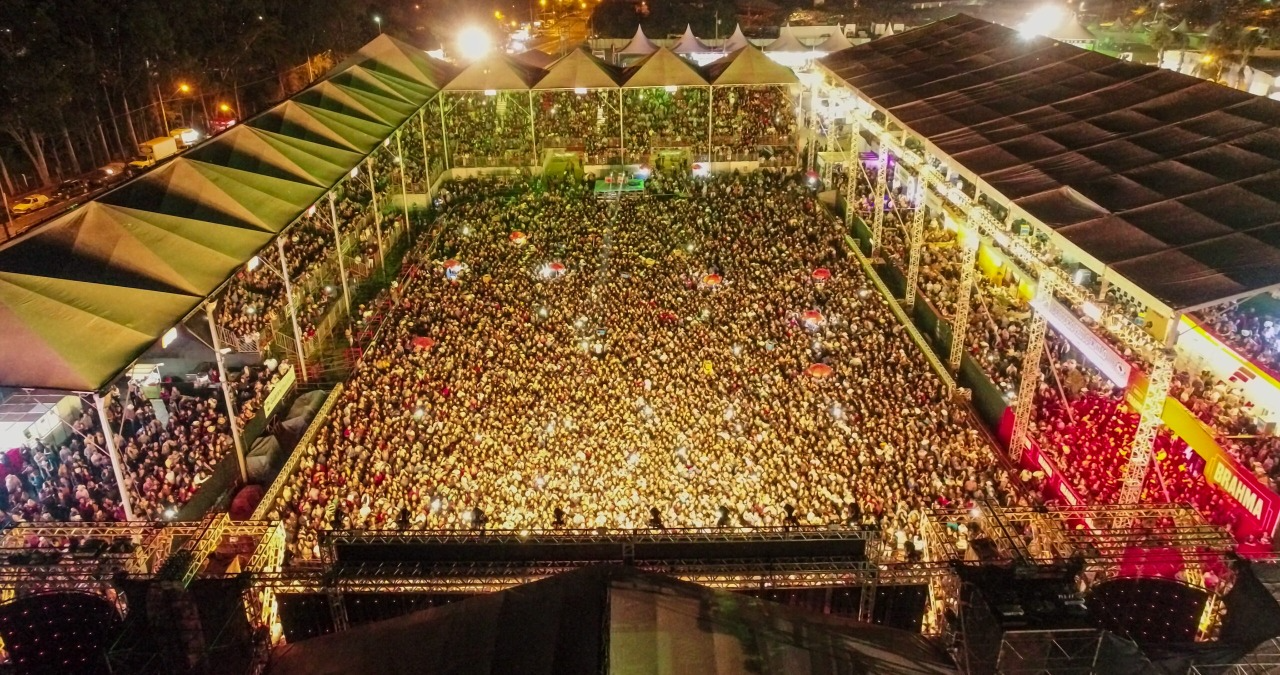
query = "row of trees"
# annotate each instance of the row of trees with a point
(78, 77)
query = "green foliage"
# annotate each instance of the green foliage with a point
(61, 61)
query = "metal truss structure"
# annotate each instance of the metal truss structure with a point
(960, 322)
(882, 186)
(1029, 382)
(916, 241)
(1144, 438)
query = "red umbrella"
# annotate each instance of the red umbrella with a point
(813, 316)
(423, 343)
(711, 280)
(451, 263)
(518, 238)
(819, 371)
(821, 274)
(556, 268)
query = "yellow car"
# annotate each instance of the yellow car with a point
(29, 204)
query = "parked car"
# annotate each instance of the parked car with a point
(110, 175)
(70, 189)
(29, 204)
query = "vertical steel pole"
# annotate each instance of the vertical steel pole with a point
(293, 307)
(337, 243)
(377, 212)
(232, 421)
(117, 465)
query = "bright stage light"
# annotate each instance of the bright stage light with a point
(474, 43)
(1042, 21)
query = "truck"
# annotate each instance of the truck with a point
(185, 137)
(154, 151)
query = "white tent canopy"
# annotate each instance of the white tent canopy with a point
(786, 42)
(640, 45)
(736, 41)
(690, 44)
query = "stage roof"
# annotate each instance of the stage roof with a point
(85, 294)
(578, 69)
(663, 68)
(1171, 181)
(749, 66)
(613, 620)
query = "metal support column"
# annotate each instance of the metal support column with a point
(293, 308)
(533, 132)
(1030, 374)
(337, 610)
(232, 420)
(337, 243)
(404, 184)
(622, 133)
(444, 134)
(1144, 438)
(711, 115)
(882, 185)
(426, 156)
(916, 243)
(377, 212)
(960, 322)
(867, 602)
(813, 129)
(851, 171)
(117, 465)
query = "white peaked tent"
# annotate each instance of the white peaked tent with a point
(690, 44)
(736, 41)
(834, 43)
(787, 42)
(640, 45)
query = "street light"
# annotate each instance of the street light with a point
(378, 20)
(183, 88)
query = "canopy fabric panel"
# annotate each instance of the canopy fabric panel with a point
(749, 66)
(736, 41)
(578, 69)
(787, 42)
(74, 336)
(124, 247)
(690, 44)
(1171, 181)
(495, 72)
(615, 620)
(86, 293)
(535, 57)
(385, 54)
(663, 69)
(836, 42)
(640, 45)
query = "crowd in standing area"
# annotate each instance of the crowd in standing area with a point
(564, 361)
(169, 447)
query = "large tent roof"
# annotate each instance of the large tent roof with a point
(85, 294)
(534, 57)
(786, 42)
(495, 72)
(663, 68)
(1171, 181)
(640, 45)
(578, 69)
(614, 620)
(834, 43)
(690, 44)
(749, 66)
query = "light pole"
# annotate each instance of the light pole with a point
(378, 20)
(183, 88)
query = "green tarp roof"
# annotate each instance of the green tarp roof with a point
(85, 294)
(663, 68)
(749, 66)
(579, 69)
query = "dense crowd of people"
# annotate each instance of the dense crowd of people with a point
(662, 118)
(488, 129)
(747, 118)
(1251, 328)
(642, 362)
(585, 122)
(169, 446)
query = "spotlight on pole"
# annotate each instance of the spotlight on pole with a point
(473, 43)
